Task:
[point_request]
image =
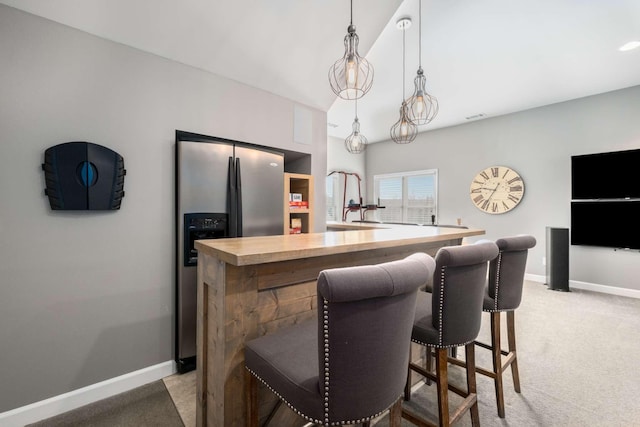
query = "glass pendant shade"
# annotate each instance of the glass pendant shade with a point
(404, 130)
(356, 143)
(351, 76)
(422, 106)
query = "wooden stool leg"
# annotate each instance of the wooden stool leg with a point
(511, 334)
(252, 399)
(395, 415)
(407, 386)
(471, 382)
(442, 383)
(428, 362)
(497, 361)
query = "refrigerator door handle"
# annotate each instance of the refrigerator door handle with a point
(232, 201)
(238, 198)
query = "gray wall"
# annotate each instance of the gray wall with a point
(537, 143)
(89, 296)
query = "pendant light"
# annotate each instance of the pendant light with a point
(404, 130)
(356, 143)
(422, 106)
(351, 76)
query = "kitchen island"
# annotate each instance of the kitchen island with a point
(252, 286)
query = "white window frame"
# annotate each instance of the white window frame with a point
(404, 175)
(334, 181)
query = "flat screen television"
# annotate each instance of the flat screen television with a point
(612, 175)
(613, 224)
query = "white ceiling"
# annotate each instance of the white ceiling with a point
(480, 56)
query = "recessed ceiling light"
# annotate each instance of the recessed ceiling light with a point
(630, 45)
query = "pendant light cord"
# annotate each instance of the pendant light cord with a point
(419, 34)
(403, 37)
(351, 22)
(356, 108)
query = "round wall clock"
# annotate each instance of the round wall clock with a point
(496, 190)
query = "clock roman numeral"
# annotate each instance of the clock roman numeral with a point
(476, 190)
(478, 199)
(506, 172)
(484, 175)
(494, 172)
(513, 198)
(515, 188)
(494, 207)
(512, 180)
(485, 205)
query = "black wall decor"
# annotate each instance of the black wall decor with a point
(83, 176)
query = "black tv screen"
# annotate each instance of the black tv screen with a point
(614, 224)
(613, 175)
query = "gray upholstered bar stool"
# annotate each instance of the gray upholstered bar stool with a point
(350, 365)
(448, 317)
(503, 294)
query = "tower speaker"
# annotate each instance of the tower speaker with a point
(557, 246)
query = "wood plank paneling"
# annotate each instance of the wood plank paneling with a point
(305, 270)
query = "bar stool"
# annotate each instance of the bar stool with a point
(348, 366)
(504, 294)
(448, 317)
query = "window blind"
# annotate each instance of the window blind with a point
(408, 197)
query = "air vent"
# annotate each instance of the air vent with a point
(476, 116)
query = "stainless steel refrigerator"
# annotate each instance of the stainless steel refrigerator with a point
(223, 189)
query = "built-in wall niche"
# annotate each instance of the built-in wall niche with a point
(295, 162)
(298, 203)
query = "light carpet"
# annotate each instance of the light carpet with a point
(578, 356)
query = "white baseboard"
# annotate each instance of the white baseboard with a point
(535, 278)
(612, 290)
(74, 399)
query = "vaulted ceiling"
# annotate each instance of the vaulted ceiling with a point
(481, 57)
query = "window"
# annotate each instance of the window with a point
(332, 198)
(409, 197)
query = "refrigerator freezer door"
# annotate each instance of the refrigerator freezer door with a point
(262, 178)
(201, 178)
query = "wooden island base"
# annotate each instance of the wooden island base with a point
(249, 287)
